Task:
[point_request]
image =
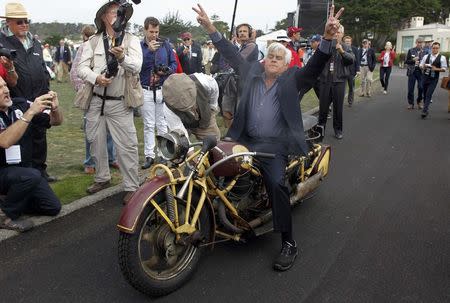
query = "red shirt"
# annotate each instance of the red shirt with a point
(3, 72)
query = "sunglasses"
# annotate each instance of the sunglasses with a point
(21, 22)
(186, 39)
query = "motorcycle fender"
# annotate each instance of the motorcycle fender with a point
(323, 161)
(133, 210)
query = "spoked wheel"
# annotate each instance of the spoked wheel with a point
(152, 260)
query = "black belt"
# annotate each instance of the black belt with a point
(107, 97)
(146, 87)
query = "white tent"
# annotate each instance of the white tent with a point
(263, 40)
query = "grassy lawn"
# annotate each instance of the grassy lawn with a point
(66, 148)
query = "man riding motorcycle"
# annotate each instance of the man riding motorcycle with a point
(268, 118)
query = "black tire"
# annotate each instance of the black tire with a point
(143, 278)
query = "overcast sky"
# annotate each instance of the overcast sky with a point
(260, 14)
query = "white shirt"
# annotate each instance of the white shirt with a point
(364, 57)
(432, 58)
(386, 59)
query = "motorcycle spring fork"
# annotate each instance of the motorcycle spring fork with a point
(170, 207)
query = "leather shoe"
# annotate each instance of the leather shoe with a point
(338, 134)
(98, 186)
(424, 114)
(114, 165)
(286, 258)
(127, 197)
(148, 162)
(89, 170)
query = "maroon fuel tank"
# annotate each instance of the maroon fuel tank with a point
(233, 166)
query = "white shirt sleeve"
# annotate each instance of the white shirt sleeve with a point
(211, 87)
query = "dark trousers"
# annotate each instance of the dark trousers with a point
(26, 192)
(273, 172)
(351, 89)
(415, 76)
(429, 85)
(331, 93)
(39, 139)
(385, 73)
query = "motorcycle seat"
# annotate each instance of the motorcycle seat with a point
(309, 122)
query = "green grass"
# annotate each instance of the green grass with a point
(66, 144)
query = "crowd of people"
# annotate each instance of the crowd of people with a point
(180, 89)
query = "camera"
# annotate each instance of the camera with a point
(162, 68)
(304, 43)
(8, 53)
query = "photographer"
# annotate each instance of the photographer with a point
(25, 190)
(190, 55)
(7, 70)
(108, 109)
(158, 63)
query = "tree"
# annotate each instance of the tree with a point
(172, 26)
(282, 24)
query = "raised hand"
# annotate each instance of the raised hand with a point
(332, 25)
(203, 19)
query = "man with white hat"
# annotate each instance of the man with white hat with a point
(108, 108)
(33, 77)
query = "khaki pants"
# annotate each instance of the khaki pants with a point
(366, 81)
(62, 71)
(118, 119)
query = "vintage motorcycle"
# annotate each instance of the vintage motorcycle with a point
(209, 192)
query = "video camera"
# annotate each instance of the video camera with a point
(11, 54)
(119, 28)
(304, 43)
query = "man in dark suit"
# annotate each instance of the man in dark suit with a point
(353, 69)
(190, 55)
(268, 118)
(63, 59)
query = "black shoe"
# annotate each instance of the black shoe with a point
(424, 115)
(148, 162)
(350, 104)
(287, 256)
(338, 134)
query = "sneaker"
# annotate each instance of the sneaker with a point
(338, 134)
(287, 256)
(89, 170)
(424, 114)
(16, 225)
(385, 92)
(98, 186)
(410, 106)
(420, 105)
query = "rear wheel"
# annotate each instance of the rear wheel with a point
(151, 259)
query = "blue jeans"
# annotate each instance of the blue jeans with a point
(415, 76)
(429, 85)
(89, 162)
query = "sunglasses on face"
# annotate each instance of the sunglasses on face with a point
(186, 39)
(21, 22)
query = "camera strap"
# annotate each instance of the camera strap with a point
(107, 55)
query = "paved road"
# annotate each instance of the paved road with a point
(377, 231)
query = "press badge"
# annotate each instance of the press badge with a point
(12, 155)
(194, 54)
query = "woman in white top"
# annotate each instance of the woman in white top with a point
(386, 59)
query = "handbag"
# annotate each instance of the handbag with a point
(83, 96)
(445, 84)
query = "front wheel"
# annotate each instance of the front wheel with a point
(151, 260)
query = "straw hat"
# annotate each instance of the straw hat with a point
(15, 11)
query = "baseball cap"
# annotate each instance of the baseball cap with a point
(292, 30)
(316, 37)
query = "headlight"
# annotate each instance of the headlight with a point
(173, 147)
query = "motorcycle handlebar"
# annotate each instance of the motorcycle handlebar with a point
(265, 155)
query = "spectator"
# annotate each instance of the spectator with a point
(33, 77)
(386, 59)
(294, 34)
(427, 46)
(295, 61)
(8, 72)
(158, 63)
(367, 62)
(63, 59)
(354, 69)
(190, 55)
(197, 93)
(432, 65)
(25, 189)
(208, 55)
(47, 55)
(108, 109)
(332, 83)
(77, 83)
(414, 73)
(315, 42)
